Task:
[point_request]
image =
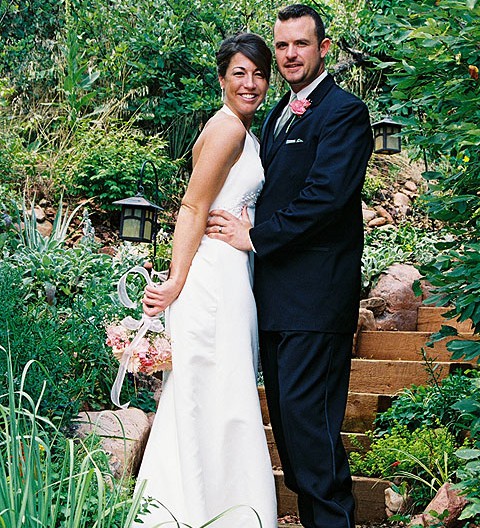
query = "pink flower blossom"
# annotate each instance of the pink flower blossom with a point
(152, 353)
(299, 106)
(116, 335)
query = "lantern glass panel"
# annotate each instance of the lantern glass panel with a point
(393, 143)
(147, 232)
(133, 212)
(379, 142)
(131, 227)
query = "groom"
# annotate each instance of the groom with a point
(308, 240)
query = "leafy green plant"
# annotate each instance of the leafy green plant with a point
(106, 166)
(373, 184)
(430, 405)
(469, 478)
(78, 76)
(456, 278)
(469, 409)
(423, 457)
(32, 239)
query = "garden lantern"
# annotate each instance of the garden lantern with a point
(386, 136)
(138, 217)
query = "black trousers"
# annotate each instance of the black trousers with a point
(306, 378)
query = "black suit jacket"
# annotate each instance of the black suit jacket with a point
(308, 232)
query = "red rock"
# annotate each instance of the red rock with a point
(123, 434)
(376, 222)
(446, 498)
(400, 198)
(384, 213)
(45, 228)
(368, 215)
(411, 186)
(395, 286)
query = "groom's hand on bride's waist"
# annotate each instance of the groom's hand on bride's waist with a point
(224, 226)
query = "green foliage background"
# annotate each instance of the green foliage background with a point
(428, 50)
(89, 89)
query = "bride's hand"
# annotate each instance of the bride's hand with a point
(157, 298)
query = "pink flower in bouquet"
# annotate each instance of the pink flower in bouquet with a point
(116, 334)
(152, 353)
(299, 106)
(117, 338)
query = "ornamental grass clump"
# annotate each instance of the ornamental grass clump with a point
(48, 481)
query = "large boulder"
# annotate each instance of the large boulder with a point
(123, 433)
(395, 287)
(448, 499)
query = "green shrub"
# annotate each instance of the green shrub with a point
(373, 184)
(469, 484)
(423, 457)
(105, 165)
(56, 300)
(428, 406)
(16, 161)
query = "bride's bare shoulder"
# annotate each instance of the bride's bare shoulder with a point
(225, 123)
(221, 129)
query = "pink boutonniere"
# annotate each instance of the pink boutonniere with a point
(299, 106)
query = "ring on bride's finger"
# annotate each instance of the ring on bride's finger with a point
(220, 229)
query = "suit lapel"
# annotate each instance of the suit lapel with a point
(271, 144)
(269, 127)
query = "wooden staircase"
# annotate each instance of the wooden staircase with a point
(384, 363)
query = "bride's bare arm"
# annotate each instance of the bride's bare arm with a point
(217, 149)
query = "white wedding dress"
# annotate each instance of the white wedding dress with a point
(207, 450)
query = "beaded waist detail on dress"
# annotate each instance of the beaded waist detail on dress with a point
(248, 199)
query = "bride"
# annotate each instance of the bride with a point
(207, 451)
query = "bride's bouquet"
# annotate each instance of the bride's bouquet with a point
(139, 345)
(152, 353)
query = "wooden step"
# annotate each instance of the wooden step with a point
(359, 414)
(395, 345)
(362, 409)
(369, 496)
(350, 442)
(430, 320)
(263, 404)
(286, 499)
(272, 447)
(389, 377)
(355, 442)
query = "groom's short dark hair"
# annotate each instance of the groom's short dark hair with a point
(300, 10)
(249, 44)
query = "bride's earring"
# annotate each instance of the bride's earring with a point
(223, 94)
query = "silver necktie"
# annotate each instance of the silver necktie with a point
(284, 117)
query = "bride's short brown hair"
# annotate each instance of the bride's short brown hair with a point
(249, 44)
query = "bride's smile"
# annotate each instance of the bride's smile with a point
(244, 86)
